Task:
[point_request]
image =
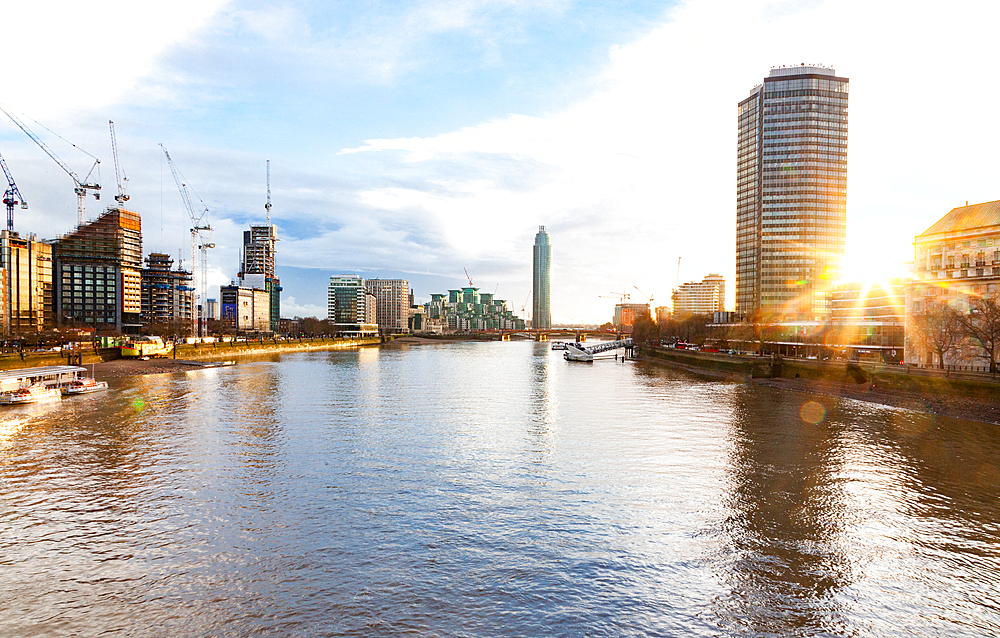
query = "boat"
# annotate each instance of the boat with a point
(84, 385)
(144, 347)
(558, 345)
(33, 393)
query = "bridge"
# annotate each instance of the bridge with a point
(586, 353)
(579, 334)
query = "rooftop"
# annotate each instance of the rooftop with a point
(802, 69)
(966, 218)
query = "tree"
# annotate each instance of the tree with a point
(764, 324)
(644, 330)
(982, 325)
(939, 329)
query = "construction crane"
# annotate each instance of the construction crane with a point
(204, 283)
(644, 294)
(525, 305)
(197, 225)
(471, 285)
(267, 206)
(120, 178)
(11, 197)
(80, 187)
(677, 278)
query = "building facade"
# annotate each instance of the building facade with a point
(27, 284)
(791, 201)
(348, 301)
(97, 274)
(626, 314)
(703, 297)
(955, 261)
(541, 299)
(245, 309)
(392, 304)
(467, 310)
(257, 267)
(167, 296)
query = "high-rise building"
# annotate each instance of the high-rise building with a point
(703, 297)
(791, 193)
(541, 302)
(167, 295)
(257, 267)
(96, 273)
(348, 301)
(27, 284)
(392, 303)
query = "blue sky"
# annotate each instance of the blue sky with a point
(417, 139)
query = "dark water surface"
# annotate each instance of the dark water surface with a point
(490, 489)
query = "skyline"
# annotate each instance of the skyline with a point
(614, 127)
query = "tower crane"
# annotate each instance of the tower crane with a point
(198, 224)
(644, 294)
(267, 206)
(11, 197)
(80, 187)
(471, 285)
(120, 177)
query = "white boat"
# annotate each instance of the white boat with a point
(579, 352)
(84, 385)
(33, 393)
(558, 345)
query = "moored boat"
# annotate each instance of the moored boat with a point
(558, 345)
(33, 393)
(84, 385)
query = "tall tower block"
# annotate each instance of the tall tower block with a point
(791, 193)
(541, 305)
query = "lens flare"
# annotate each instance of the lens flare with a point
(138, 405)
(812, 412)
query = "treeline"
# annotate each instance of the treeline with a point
(945, 331)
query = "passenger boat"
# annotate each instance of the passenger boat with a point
(558, 345)
(145, 347)
(84, 385)
(33, 393)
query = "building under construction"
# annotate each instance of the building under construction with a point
(167, 296)
(97, 274)
(257, 268)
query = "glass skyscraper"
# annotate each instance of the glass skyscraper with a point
(541, 307)
(791, 193)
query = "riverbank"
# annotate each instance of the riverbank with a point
(962, 398)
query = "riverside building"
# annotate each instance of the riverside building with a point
(468, 310)
(955, 260)
(703, 297)
(167, 296)
(350, 306)
(541, 304)
(97, 272)
(257, 267)
(791, 193)
(392, 304)
(26, 265)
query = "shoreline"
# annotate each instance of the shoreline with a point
(981, 409)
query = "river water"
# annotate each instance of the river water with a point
(490, 489)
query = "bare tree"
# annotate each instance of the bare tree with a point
(982, 326)
(939, 329)
(644, 330)
(765, 327)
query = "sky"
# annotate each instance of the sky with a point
(420, 139)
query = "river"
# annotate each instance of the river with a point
(490, 489)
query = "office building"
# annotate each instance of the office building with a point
(348, 301)
(211, 309)
(791, 208)
(704, 297)
(392, 304)
(541, 300)
(96, 275)
(257, 267)
(956, 260)
(167, 297)
(27, 284)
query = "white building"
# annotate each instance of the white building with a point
(703, 297)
